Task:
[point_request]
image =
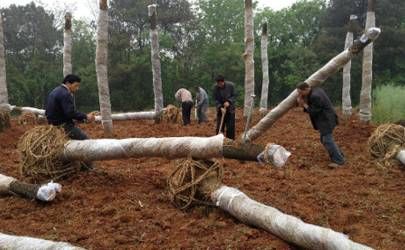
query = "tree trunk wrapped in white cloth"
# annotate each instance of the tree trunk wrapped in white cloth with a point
(265, 70)
(401, 156)
(36, 111)
(11, 242)
(3, 81)
(67, 45)
(314, 80)
(287, 227)
(45, 192)
(248, 57)
(346, 100)
(367, 75)
(155, 57)
(101, 69)
(143, 115)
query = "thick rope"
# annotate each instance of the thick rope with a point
(40, 149)
(192, 182)
(171, 114)
(386, 141)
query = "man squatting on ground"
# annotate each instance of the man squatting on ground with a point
(202, 104)
(61, 109)
(184, 96)
(224, 96)
(323, 118)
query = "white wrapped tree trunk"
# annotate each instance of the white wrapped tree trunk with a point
(248, 57)
(101, 69)
(10, 242)
(367, 74)
(314, 80)
(3, 81)
(145, 115)
(67, 45)
(287, 227)
(265, 69)
(346, 99)
(155, 57)
(169, 147)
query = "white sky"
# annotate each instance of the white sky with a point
(87, 9)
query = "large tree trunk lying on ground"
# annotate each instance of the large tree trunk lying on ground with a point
(144, 115)
(287, 227)
(10, 242)
(101, 69)
(314, 80)
(46, 192)
(10, 108)
(367, 74)
(169, 147)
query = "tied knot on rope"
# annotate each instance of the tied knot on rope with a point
(40, 151)
(386, 141)
(274, 154)
(192, 182)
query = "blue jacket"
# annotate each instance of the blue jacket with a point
(60, 107)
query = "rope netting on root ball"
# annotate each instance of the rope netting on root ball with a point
(171, 114)
(40, 150)
(387, 141)
(4, 120)
(192, 182)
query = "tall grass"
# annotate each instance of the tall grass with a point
(389, 104)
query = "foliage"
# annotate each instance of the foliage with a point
(389, 103)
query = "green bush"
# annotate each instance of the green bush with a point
(389, 104)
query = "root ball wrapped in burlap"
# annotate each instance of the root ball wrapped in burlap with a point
(386, 141)
(40, 150)
(171, 114)
(27, 118)
(192, 182)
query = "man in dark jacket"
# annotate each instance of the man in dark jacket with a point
(224, 96)
(323, 118)
(61, 111)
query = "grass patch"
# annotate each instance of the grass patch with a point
(389, 104)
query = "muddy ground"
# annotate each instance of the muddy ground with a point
(123, 204)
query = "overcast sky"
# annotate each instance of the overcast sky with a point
(87, 8)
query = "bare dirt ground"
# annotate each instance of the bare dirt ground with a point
(123, 204)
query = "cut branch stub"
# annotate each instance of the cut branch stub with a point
(103, 5)
(264, 29)
(68, 21)
(371, 6)
(152, 16)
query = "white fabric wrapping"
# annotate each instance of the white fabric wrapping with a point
(367, 75)
(10, 242)
(401, 156)
(5, 182)
(314, 80)
(346, 100)
(248, 57)
(101, 70)
(287, 227)
(155, 57)
(31, 110)
(265, 70)
(144, 115)
(48, 191)
(3, 80)
(169, 147)
(67, 47)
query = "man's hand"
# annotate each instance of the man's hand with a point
(226, 104)
(223, 110)
(91, 117)
(300, 101)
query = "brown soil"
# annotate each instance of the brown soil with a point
(123, 204)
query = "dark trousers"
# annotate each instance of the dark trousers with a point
(229, 123)
(74, 133)
(335, 153)
(186, 111)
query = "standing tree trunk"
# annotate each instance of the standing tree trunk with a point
(101, 69)
(346, 100)
(367, 76)
(265, 69)
(314, 80)
(155, 57)
(248, 57)
(67, 45)
(3, 82)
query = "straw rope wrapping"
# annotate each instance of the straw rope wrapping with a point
(171, 114)
(193, 181)
(386, 141)
(40, 149)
